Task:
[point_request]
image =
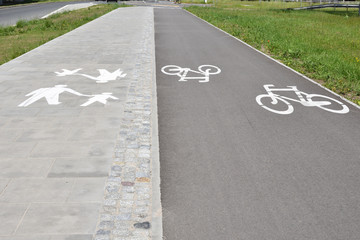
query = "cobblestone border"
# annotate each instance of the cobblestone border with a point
(127, 210)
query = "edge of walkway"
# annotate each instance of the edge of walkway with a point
(282, 64)
(157, 229)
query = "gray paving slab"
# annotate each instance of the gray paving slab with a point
(51, 218)
(10, 216)
(47, 134)
(15, 168)
(87, 190)
(75, 132)
(98, 134)
(3, 184)
(50, 237)
(73, 149)
(27, 190)
(18, 150)
(80, 167)
(9, 135)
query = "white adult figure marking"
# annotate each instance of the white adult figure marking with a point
(102, 98)
(66, 72)
(50, 94)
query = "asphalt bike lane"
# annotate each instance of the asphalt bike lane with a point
(248, 148)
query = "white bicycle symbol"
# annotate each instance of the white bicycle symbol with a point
(204, 70)
(310, 100)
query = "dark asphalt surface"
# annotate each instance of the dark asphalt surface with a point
(10, 15)
(231, 169)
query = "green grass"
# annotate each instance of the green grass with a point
(322, 44)
(27, 35)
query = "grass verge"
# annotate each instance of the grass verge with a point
(324, 45)
(27, 35)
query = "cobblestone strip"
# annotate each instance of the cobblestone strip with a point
(127, 208)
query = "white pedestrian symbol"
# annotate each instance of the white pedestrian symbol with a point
(273, 104)
(102, 98)
(104, 77)
(50, 94)
(204, 72)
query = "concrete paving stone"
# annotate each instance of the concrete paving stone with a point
(80, 167)
(24, 112)
(91, 122)
(24, 167)
(69, 218)
(49, 237)
(109, 110)
(78, 149)
(10, 217)
(83, 134)
(3, 121)
(26, 190)
(37, 122)
(15, 150)
(19, 68)
(3, 87)
(88, 190)
(6, 76)
(3, 184)
(9, 135)
(55, 111)
(44, 134)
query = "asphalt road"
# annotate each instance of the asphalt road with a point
(10, 15)
(231, 169)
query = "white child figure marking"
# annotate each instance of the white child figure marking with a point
(66, 72)
(102, 98)
(104, 77)
(50, 94)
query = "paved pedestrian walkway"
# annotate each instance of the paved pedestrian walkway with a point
(78, 135)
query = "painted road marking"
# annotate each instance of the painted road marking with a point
(204, 71)
(104, 77)
(52, 94)
(311, 100)
(102, 98)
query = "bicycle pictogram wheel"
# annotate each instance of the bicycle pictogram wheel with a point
(171, 70)
(278, 101)
(209, 69)
(335, 106)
